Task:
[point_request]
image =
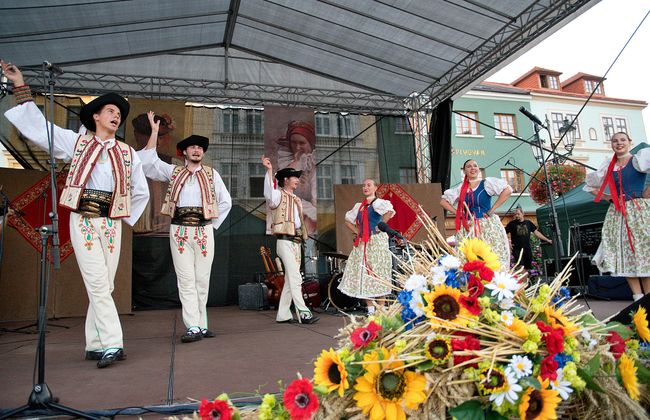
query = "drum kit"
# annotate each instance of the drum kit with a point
(336, 267)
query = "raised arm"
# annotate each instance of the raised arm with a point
(154, 167)
(272, 195)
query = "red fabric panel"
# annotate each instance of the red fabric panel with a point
(406, 207)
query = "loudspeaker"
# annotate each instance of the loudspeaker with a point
(610, 287)
(588, 269)
(253, 296)
(624, 316)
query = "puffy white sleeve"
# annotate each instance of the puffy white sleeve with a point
(351, 215)
(29, 120)
(452, 194)
(495, 186)
(383, 206)
(153, 167)
(224, 202)
(139, 190)
(641, 160)
(593, 180)
(271, 194)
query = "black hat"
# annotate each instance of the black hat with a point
(287, 173)
(191, 141)
(94, 106)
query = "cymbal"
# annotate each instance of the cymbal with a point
(335, 255)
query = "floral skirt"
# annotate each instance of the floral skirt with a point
(373, 278)
(493, 233)
(615, 254)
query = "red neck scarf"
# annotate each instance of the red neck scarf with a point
(462, 214)
(364, 228)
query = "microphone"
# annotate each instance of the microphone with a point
(52, 67)
(383, 226)
(530, 116)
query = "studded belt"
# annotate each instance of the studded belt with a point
(190, 216)
(95, 203)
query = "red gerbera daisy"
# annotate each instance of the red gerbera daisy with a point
(616, 344)
(299, 400)
(473, 265)
(217, 409)
(475, 286)
(471, 304)
(361, 337)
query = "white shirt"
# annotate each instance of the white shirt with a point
(190, 195)
(29, 120)
(274, 196)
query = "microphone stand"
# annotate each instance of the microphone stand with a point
(41, 397)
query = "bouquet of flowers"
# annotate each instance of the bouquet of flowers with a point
(563, 179)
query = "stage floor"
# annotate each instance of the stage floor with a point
(249, 355)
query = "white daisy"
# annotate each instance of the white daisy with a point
(507, 317)
(503, 285)
(586, 335)
(450, 262)
(592, 344)
(510, 391)
(520, 366)
(417, 304)
(561, 386)
(506, 304)
(416, 282)
(438, 275)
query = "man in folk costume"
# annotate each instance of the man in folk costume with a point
(105, 185)
(196, 199)
(287, 224)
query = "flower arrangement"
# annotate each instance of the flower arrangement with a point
(563, 179)
(470, 339)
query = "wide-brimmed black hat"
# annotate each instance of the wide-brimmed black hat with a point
(193, 140)
(94, 106)
(287, 173)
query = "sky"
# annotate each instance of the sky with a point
(590, 43)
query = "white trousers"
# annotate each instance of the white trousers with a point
(96, 243)
(289, 253)
(192, 252)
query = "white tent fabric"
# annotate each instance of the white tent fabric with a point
(361, 55)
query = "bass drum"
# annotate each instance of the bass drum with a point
(340, 300)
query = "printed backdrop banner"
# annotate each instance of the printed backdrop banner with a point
(290, 141)
(33, 207)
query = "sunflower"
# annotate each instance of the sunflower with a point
(539, 404)
(476, 250)
(628, 375)
(641, 323)
(444, 303)
(330, 371)
(556, 319)
(385, 389)
(493, 381)
(438, 350)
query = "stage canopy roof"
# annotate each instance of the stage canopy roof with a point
(358, 56)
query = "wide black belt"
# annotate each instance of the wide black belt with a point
(95, 203)
(190, 216)
(292, 238)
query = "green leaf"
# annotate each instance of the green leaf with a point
(493, 415)
(530, 382)
(588, 319)
(642, 373)
(591, 384)
(424, 366)
(593, 366)
(469, 410)
(624, 331)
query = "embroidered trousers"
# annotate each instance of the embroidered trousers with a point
(192, 253)
(289, 253)
(96, 243)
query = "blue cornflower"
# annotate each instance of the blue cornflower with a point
(562, 359)
(404, 297)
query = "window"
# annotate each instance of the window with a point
(402, 125)
(465, 126)
(72, 120)
(593, 86)
(256, 174)
(570, 117)
(549, 82)
(514, 178)
(253, 121)
(230, 121)
(621, 125)
(608, 127)
(345, 126)
(230, 175)
(322, 125)
(592, 134)
(408, 176)
(557, 121)
(505, 123)
(348, 174)
(324, 179)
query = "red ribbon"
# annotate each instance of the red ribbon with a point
(364, 234)
(462, 214)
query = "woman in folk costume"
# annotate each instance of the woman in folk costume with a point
(368, 270)
(625, 245)
(475, 213)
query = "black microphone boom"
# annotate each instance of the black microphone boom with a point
(530, 116)
(383, 226)
(53, 67)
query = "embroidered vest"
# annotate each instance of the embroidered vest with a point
(205, 177)
(282, 217)
(86, 152)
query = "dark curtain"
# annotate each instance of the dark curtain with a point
(440, 143)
